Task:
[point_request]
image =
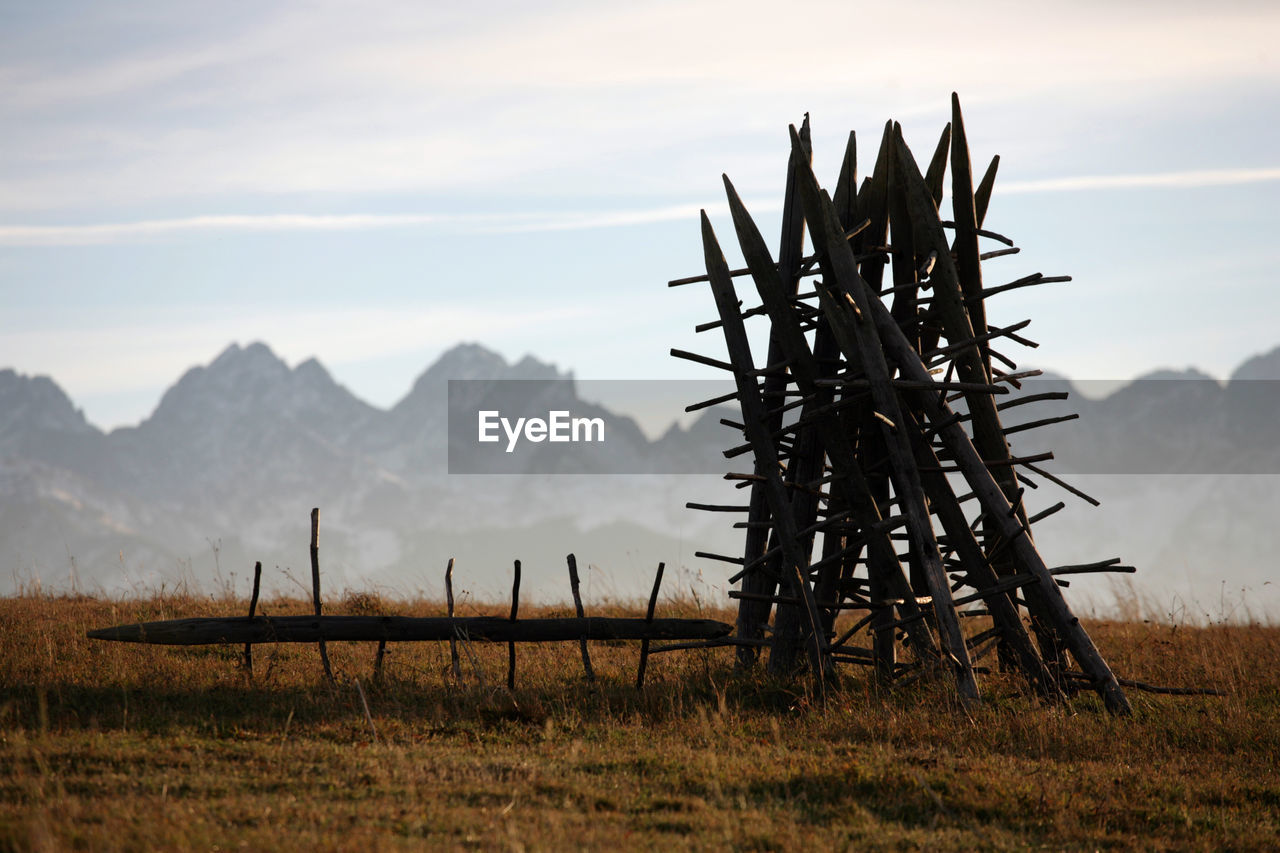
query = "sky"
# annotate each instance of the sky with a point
(371, 183)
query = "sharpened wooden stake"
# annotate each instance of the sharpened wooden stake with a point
(454, 663)
(648, 618)
(377, 661)
(315, 588)
(253, 605)
(511, 646)
(577, 605)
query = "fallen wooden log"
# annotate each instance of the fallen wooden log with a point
(311, 629)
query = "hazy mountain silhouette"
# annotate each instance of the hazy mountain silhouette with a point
(227, 467)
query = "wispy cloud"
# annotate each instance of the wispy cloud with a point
(1154, 180)
(570, 97)
(529, 222)
(122, 232)
(490, 223)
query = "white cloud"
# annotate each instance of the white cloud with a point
(525, 222)
(490, 223)
(583, 99)
(1182, 179)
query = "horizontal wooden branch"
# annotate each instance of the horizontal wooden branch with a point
(311, 629)
(1151, 688)
(709, 644)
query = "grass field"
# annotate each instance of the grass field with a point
(117, 746)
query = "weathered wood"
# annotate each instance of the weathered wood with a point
(378, 658)
(998, 507)
(875, 429)
(315, 588)
(702, 359)
(846, 191)
(766, 457)
(936, 173)
(968, 266)
(454, 664)
(853, 327)
(972, 364)
(714, 401)
(855, 491)
(1152, 688)
(1027, 281)
(253, 606)
(1063, 485)
(979, 573)
(1010, 430)
(648, 620)
(1111, 565)
(873, 203)
(707, 644)
(403, 629)
(577, 606)
(982, 195)
(753, 616)
(511, 645)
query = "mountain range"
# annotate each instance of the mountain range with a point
(227, 467)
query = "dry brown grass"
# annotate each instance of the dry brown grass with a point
(115, 746)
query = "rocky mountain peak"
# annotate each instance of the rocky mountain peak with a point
(1263, 366)
(1186, 374)
(249, 385)
(37, 404)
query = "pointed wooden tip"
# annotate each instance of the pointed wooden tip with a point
(735, 201)
(797, 145)
(708, 234)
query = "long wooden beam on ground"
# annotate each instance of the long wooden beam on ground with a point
(496, 629)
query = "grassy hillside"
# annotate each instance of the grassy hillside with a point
(115, 746)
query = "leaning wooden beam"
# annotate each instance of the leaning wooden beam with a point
(1151, 688)
(846, 191)
(968, 265)
(753, 616)
(978, 571)
(873, 203)
(577, 606)
(936, 173)
(972, 364)
(854, 489)
(853, 327)
(400, 629)
(1001, 511)
(648, 619)
(775, 492)
(982, 195)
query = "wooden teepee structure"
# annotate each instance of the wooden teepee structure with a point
(875, 406)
